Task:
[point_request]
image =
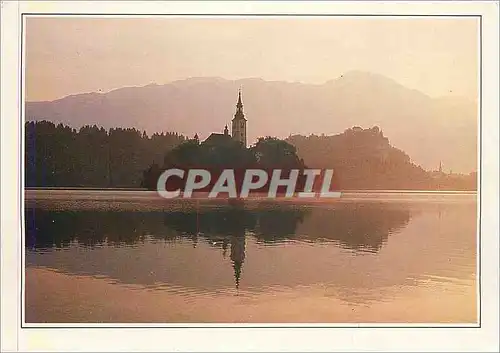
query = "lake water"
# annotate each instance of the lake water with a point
(131, 257)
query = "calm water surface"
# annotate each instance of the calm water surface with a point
(129, 256)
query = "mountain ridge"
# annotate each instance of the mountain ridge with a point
(429, 129)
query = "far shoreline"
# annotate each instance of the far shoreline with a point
(385, 191)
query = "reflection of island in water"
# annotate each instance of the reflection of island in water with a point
(357, 227)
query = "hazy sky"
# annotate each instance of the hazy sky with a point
(75, 55)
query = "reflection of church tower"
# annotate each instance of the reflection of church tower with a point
(237, 255)
(239, 123)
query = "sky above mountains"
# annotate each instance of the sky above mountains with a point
(64, 56)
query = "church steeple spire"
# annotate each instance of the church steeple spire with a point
(239, 105)
(239, 123)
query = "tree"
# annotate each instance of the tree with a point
(271, 152)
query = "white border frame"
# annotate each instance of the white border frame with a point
(266, 337)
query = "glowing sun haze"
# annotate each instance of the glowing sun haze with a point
(438, 56)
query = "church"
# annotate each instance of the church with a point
(238, 128)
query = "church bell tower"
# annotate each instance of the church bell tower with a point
(239, 123)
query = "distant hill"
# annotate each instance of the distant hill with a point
(365, 159)
(427, 129)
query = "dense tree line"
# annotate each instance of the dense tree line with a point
(60, 156)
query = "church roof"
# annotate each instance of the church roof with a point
(215, 139)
